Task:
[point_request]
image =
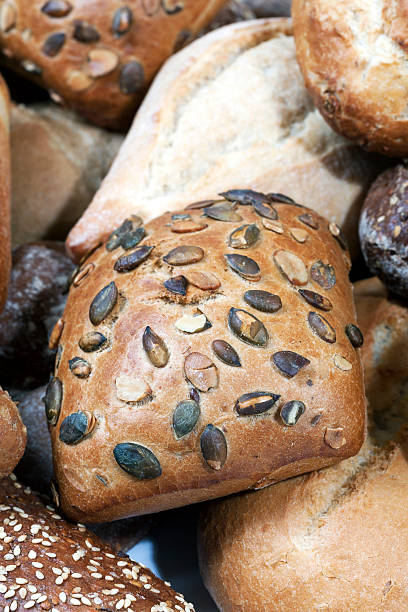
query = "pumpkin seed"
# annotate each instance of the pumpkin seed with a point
(76, 426)
(8, 17)
(193, 323)
(266, 210)
(354, 335)
(273, 226)
(187, 226)
(57, 8)
(203, 204)
(183, 255)
(126, 263)
(226, 353)
(342, 363)
(103, 303)
(321, 327)
(122, 20)
(83, 273)
(171, 7)
(131, 389)
(132, 238)
(244, 237)
(80, 367)
(289, 363)
(85, 32)
(244, 266)
(281, 198)
(92, 341)
(137, 460)
(53, 400)
(201, 371)
(194, 395)
(337, 233)
(309, 220)
(299, 234)
(223, 212)
(53, 44)
(177, 284)
(247, 327)
(263, 300)
(132, 79)
(207, 281)
(151, 6)
(291, 412)
(291, 266)
(323, 274)
(155, 348)
(256, 402)
(213, 447)
(101, 62)
(116, 236)
(315, 299)
(56, 334)
(333, 437)
(247, 197)
(185, 417)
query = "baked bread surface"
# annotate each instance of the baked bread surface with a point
(12, 435)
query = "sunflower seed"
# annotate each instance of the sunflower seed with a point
(342, 363)
(155, 348)
(247, 327)
(226, 353)
(80, 367)
(300, 235)
(282, 199)
(103, 303)
(263, 300)
(193, 323)
(53, 44)
(333, 437)
(92, 341)
(187, 226)
(76, 426)
(131, 389)
(247, 197)
(53, 400)
(354, 335)
(213, 447)
(256, 402)
(122, 20)
(127, 226)
(201, 371)
(171, 7)
(244, 237)
(321, 327)
(101, 62)
(56, 334)
(291, 412)
(203, 204)
(185, 417)
(183, 255)
(177, 284)
(129, 262)
(194, 395)
(85, 32)
(83, 273)
(337, 232)
(207, 281)
(315, 299)
(137, 460)
(309, 220)
(8, 17)
(266, 210)
(132, 238)
(291, 266)
(289, 363)
(132, 78)
(58, 356)
(323, 274)
(223, 212)
(273, 226)
(244, 266)
(57, 8)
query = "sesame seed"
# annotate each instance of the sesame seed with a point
(121, 563)
(21, 581)
(42, 598)
(32, 588)
(63, 597)
(23, 593)
(18, 527)
(74, 602)
(39, 575)
(37, 564)
(96, 575)
(3, 588)
(10, 568)
(120, 604)
(59, 580)
(29, 604)
(16, 550)
(86, 601)
(10, 593)
(13, 606)
(76, 575)
(78, 554)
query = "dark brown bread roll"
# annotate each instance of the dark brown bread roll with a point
(204, 354)
(383, 229)
(49, 564)
(12, 435)
(97, 57)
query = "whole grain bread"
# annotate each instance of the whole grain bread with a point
(12, 435)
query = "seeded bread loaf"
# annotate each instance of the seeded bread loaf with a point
(232, 320)
(12, 435)
(5, 257)
(335, 539)
(271, 138)
(353, 56)
(49, 564)
(98, 58)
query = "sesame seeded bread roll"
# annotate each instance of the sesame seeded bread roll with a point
(5, 254)
(97, 57)
(212, 351)
(12, 435)
(49, 564)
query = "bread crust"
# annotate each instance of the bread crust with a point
(5, 254)
(12, 435)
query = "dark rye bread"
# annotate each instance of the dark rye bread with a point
(49, 564)
(229, 320)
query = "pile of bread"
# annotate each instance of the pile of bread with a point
(188, 187)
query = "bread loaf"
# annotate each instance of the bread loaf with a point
(353, 56)
(334, 539)
(97, 57)
(236, 114)
(231, 320)
(58, 163)
(5, 257)
(12, 435)
(49, 564)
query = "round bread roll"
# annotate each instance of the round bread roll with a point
(239, 93)
(49, 564)
(353, 56)
(334, 539)
(5, 255)
(98, 58)
(12, 435)
(384, 230)
(230, 320)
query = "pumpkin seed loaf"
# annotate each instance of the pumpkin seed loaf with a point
(50, 564)
(97, 57)
(203, 354)
(5, 255)
(12, 435)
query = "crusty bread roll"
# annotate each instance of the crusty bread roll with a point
(49, 564)
(353, 56)
(97, 57)
(5, 256)
(12, 435)
(57, 163)
(236, 114)
(335, 539)
(230, 321)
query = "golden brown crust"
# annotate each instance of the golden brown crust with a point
(49, 564)
(148, 319)
(353, 59)
(12, 435)
(98, 58)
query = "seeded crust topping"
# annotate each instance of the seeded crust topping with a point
(49, 564)
(193, 336)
